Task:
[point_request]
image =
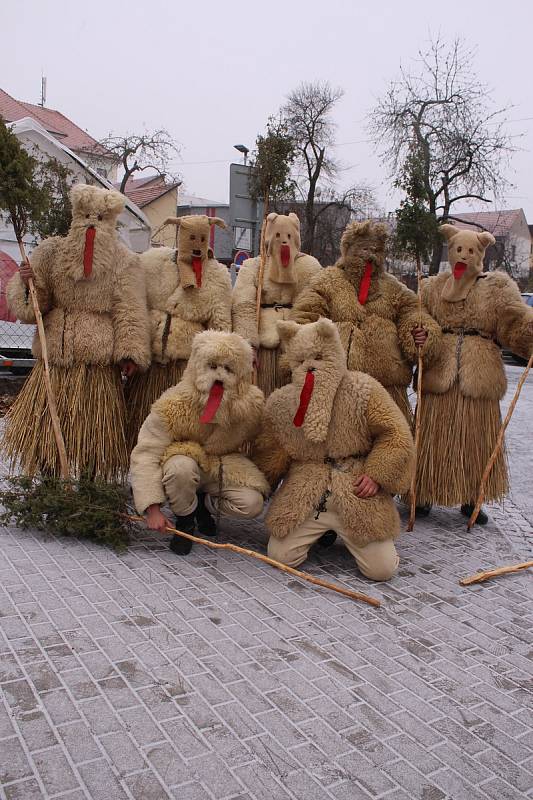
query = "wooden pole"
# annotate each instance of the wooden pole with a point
(262, 262)
(253, 554)
(52, 405)
(412, 511)
(498, 445)
(493, 573)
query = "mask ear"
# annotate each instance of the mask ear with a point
(295, 219)
(485, 239)
(287, 330)
(115, 202)
(326, 328)
(448, 231)
(172, 221)
(217, 221)
(272, 216)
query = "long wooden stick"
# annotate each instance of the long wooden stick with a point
(498, 445)
(479, 577)
(262, 262)
(253, 554)
(50, 396)
(412, 512)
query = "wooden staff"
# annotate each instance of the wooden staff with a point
(50, 396)
(253, 554)
(479, 577)
(262, 262)
(412, 512)
(498, 445)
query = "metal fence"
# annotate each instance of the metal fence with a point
(15, 345)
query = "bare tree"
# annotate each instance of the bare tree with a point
(135, 153)
(307, 114)
(445, 114)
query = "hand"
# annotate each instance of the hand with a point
(128, 367)
(420, 336)
(155, 519)
(364, 487)
(25, 272)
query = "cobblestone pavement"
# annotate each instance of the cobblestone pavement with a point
(148, 676)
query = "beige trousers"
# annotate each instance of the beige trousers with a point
(183, 478)
(377, 560)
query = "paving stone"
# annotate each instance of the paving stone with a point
(13, 763)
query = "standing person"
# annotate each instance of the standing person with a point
(463, 386)
(377, 316)
(91, 295)
(340, 447)
(286, 273)
(188, 452)
(188, 291)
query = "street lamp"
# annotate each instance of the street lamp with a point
(242, 149)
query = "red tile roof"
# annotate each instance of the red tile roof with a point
(145, 190)
(498, 223)
(53, 121)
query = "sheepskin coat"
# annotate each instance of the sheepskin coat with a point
(178, 313)
(283, 280)
(173, 426)
(97, 318)
(351, 427)
(376, 335)
(493, 309)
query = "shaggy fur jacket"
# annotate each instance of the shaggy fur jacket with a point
(376, 336)
(492, 315)
(280, 296)
(99, 320)
(173, 426)
(351, 427)
(178, 313)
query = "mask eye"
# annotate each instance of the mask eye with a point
(288, 236)
(99, 217)
(459, 249)
(203, 238)
(277, 235)
(470, 250)
(212, 365)
(318, 357)
(228, 369)
(192, 237)
(87, 216)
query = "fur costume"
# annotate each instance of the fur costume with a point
(374, 312)
(463, 385)
(351, 426)
(187, 291)
(92, 298)
(287, 271)
(174, 427)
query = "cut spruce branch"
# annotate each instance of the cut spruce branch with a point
(412, 512)
(372, 601)
(494, 573)
(498, 445)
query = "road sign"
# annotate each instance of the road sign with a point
(243, 238)
(240, 257)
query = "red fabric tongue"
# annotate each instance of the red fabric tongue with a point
(365, 283)
(213, 401)
(285, 254)
(459, 270)
(305, 397)
(197, 267)
(88, 253)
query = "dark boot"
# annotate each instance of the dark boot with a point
(327, 539)
(205, 522)
(179, 545)
(467, 509)
(423, 511)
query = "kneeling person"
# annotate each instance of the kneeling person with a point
(188, 448)
(342, 447)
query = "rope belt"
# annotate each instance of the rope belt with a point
(469, 332)
(276, 305)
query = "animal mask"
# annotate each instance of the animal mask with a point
(316, 357)
(92, 230)
(466, 250)
(193, 246)
(282, 243)
(219, 368)
(363, 254)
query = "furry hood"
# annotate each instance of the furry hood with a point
(282, 243)
(466, 250)
(92, 236)
(318, 364)
(219, 360)
(362, 244)
(193, 246)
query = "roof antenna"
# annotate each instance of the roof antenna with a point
(43, 91)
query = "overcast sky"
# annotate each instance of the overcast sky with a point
(212, 72)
